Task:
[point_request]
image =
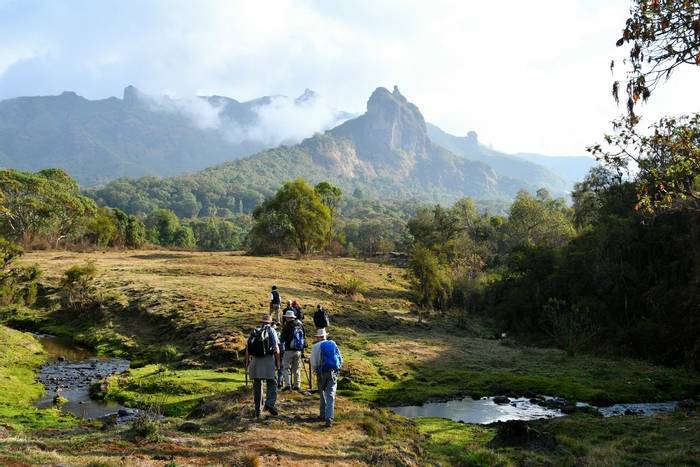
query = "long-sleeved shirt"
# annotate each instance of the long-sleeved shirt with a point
(315, 358)
(288, 332)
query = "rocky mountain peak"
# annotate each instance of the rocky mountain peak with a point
(390, 137)
(307, 96)
(131, 94)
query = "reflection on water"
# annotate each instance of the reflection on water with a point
(481, 411)
(69, 373)
(646, 408)
(484, 411)
(62, 348)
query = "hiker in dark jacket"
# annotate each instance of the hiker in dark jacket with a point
(263, 367)
(298, 310)
(294, 340)
(321, 319)
(275, 304)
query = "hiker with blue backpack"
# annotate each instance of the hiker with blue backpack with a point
(294, 340)
(262, 358)
(326, 362)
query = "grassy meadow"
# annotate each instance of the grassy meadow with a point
(182, 318)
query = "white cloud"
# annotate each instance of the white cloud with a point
(530, 76)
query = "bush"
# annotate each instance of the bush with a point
(350, 285)
(77, 288)
(146, 426)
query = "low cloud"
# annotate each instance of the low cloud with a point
(203, 114)
(286, 120)
(275, 120)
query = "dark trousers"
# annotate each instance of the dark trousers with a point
(271, 396)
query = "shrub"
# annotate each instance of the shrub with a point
(146, 426)
(350, 285)
(77, 288)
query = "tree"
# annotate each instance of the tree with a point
(47, 203)
(131, 233)
(296, 212)
(661, 35)
(667, 161)
(330, 196)
(184, 238)
(162, 226)
(540, 221)
(431, 285)
(589, 195)
(18, 284)
(101, 229)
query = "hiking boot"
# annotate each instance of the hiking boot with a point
(329, 423)
(297, 388)
(286, 389)
(271, 409)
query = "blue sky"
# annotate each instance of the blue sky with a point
(527, 76)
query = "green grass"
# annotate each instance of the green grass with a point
(172, 391)
(451, 443)
(663, 439)
(399, 369)
(20, 357)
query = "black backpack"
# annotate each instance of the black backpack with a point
(299, 313)
(276, 297)
(259, 342)
(321, 318)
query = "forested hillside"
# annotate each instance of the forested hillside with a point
(386, 154)
(99, 140)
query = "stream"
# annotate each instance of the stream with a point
(70, 371)
(485, 410)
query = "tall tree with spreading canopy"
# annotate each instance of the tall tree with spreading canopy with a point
(296, 213)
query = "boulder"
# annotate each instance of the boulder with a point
(501, 400)
(519, 433)
(189, 427)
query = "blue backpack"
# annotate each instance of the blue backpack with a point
(330, 357)
(297, 342)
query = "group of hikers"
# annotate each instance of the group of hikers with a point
(275, 355)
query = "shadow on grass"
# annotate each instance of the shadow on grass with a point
(162, 255)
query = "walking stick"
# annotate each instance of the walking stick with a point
(311, 384)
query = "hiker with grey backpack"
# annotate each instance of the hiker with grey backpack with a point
(262, 358)
(326, 362)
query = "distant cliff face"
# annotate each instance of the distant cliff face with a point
(391, 136)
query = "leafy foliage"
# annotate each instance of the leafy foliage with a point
(18, 284)
(661, 35)
(45, 204)
(667, 161)
(296, 212)
(77, 292)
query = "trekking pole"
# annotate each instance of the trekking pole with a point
(311, 384)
